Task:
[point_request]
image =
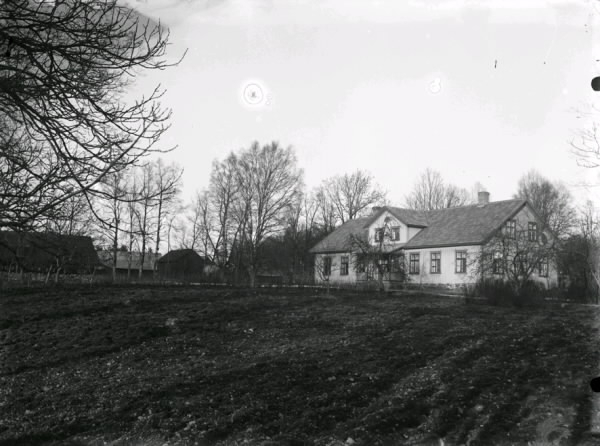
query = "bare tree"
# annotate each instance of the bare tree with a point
(430, 192)
(64, 65)
(589, 226)
(176, 230)
(326, 210)
(312, 232)
(71, 218)
(111, 213)
(552, 201)
(224, 196)
(580, 255)
(514, 254)
(144, 209)
(168, 187)
(352, 194)
(195, 228)
(585, 145)
(214, 223)
(269, 184)
(325, 266)
(131, 199)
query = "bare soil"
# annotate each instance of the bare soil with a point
(185, 366)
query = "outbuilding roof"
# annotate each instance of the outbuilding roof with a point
(42, 250)
(178, 254)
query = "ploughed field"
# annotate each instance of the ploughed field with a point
(184, 366)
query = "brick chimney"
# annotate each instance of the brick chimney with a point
(483, 198)
(375, 209)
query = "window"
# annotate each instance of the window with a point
(532, 231)
(522, 263)
(511, 229)
(384, 265)
(360, 265)
(413, 263)
(326, 266)
(436, 263)
(543, 268)
(497, 266)
(461, 262)
(395, 233)
(397, 263)
(344, 266)
(370, 271)
(379, 234)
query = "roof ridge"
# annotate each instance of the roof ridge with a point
(456, 207)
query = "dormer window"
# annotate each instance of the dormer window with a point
(379, 234)
(511, 229)
(532, 231)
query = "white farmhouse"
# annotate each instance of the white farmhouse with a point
(440, 247)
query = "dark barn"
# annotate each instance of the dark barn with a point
(181, 264)
(43, 252)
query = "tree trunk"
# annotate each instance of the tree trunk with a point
(252, 276)
(158, 228)
(115, 248)
(158, 222)
(142, 256)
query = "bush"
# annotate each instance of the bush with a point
(502, 293)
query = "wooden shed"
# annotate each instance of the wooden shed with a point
(181, 264)
(46, 251)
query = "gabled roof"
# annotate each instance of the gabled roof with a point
(178, 254)
(41, 250)
(464, 225)
(410, 217)
(338, 240)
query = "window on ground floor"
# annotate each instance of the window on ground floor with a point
(413, 263)
(522, 264)
(397, 263)
(344, 266)
(384, 265)
(497, 265)
(327, 266)
(461, 262)
(436, 263)
(360, 264)
(370, 270)
(543, 268)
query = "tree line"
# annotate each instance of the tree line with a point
(77, 157)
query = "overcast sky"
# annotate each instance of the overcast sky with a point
(481, 91)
